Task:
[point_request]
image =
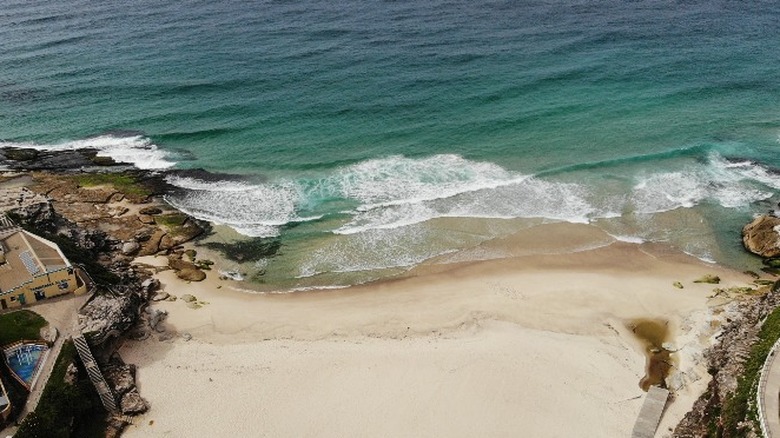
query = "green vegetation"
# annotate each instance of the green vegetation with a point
(740, 406)
(19, 325)
(122, 182)
(708, 278)
(171, 220)
(65, 410)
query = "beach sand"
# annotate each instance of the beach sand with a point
(531, 345)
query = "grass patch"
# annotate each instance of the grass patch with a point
(741, 406)
(19, 325)
(64, 410)
(121, 182)
(171, 220)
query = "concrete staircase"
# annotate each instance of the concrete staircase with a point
(103, 390)
(651, 412)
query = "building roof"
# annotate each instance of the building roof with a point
(27, 256)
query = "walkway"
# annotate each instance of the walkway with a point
(769, 394)
(650, 414)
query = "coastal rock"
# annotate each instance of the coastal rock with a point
(726, 363)
(146, 219)
(133, 404)
(130, 248)
(708, 279)
(107, 316)
(20, 154)
(762, 236)
(121, 377)
(150, 211)
(191, 274)
(155, 318)
(187, 298)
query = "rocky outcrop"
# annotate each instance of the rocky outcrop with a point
(185, 270)
(133, 404)
(726, 363)
(107, 316)
(762, 236)
(31, 159)
(121, 378)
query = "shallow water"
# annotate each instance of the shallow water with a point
(653, 334)
(360, 129)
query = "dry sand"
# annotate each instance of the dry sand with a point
(533, 345)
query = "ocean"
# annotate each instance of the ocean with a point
(351, 141)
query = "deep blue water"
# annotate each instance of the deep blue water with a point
(365, 123)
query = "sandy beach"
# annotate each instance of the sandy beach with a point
(528, 345)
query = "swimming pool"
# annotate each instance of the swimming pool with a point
(25, 360)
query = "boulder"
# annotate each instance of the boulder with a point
(133, 404)
(150, 211)
(107, 316)
(762, 236)
(187, 298)
(121, 378)
(160, 296)
(709, 279)
(146, 219)
(130, 248)
(191, 274)
(156, 317)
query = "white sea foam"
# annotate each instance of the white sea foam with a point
(400, 192)
(136, 150)
(732, 185)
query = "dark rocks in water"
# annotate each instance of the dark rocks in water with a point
(247, 250)
(30, 159)
(761, 236)
(20, 154)
(205, 175)
(772, 263)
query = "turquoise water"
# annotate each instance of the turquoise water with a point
(23, 360)
(371, 136)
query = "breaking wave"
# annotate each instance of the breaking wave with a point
(397, 191)
(136, 150)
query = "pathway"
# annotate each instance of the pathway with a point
(769, 394)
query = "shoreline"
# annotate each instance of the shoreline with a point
(543, 306)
